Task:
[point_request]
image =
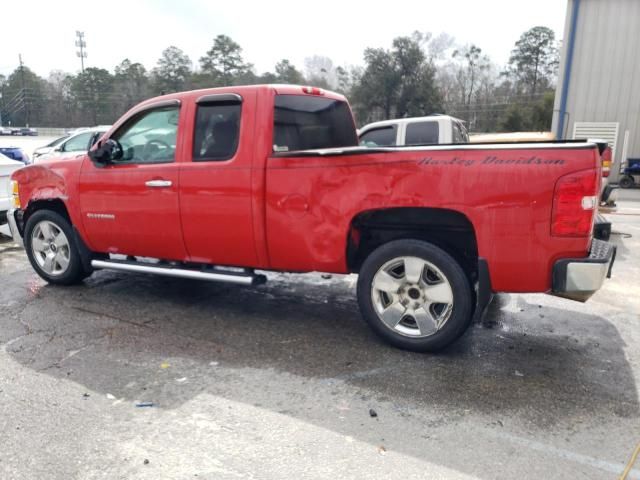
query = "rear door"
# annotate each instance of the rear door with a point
(131, 206)
(216, 180)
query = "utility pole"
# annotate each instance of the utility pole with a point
(82, 45)
(25, 98)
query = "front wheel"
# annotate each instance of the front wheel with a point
(51, 248)
(415, 295)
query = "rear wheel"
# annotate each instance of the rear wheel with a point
(415, 295)
(626, 181)
(51, 248)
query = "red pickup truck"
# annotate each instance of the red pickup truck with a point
(214, 184)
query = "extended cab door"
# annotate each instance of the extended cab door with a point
(130, 206)
(216, 178)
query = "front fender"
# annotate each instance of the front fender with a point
(51, 181)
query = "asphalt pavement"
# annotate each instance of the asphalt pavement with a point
(130, 376)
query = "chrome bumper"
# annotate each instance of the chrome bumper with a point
(13, 226)
(579, 278)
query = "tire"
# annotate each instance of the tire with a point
(626, 181)
(52, 250)
(415, 295)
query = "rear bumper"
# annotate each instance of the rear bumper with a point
(13, 226)
(579, 278)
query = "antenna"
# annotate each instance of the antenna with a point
(82, 45)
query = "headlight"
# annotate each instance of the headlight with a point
(15, 195)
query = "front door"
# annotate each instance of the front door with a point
(130, 206)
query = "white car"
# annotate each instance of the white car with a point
(7, 167)
(49, 147)
(431, 130)
(73, 145)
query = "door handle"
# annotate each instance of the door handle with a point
(158, 183)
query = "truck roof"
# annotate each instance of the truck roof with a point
(279, 89)
(395, 121)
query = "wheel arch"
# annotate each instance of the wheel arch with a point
(59, 206)
(55, 204)
(448, 229)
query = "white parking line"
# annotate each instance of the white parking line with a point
(615, 468)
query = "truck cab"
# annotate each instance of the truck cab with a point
(430, 130)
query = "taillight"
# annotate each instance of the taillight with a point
(575, 200)
(606, 162)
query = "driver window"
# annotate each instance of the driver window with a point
(150, 137)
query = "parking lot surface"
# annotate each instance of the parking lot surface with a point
(133, 376)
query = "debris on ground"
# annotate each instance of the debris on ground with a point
(164, 365)
(382, 450)
(85, 395)
(519, 374)
(213, 364)
(110, 397)
(327, 276)
(146, 461)
(145, 404)
(373, 413)
(181, 380)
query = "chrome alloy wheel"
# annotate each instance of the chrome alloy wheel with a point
(412, 297)
(50, 248)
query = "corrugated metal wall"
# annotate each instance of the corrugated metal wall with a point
(605, 77)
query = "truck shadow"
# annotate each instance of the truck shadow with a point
(543, 365)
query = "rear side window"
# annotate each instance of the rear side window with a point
(422, 133)
(379, 137)
(216, 132)
(304, 122)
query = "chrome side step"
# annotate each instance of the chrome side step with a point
(241, 277)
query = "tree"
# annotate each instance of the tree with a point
(223, 62)
(513, 119)
(396, 83)
(469, 69)
(172, 71)
(92, 90)
(319, 71)
(60, 104)
(344, 80)
(534, 60)
(288, 73)
(131, 83)
(23, 97)
(472, 63)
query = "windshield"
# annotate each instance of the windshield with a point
(303, 122)
(57, 141)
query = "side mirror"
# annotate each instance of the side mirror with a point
(106, 152)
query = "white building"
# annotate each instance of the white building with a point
(598, 92)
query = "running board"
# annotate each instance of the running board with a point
(245, 277)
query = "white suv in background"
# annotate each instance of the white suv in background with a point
(77, 143)
(431, 130)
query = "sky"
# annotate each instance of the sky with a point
(44, 31)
